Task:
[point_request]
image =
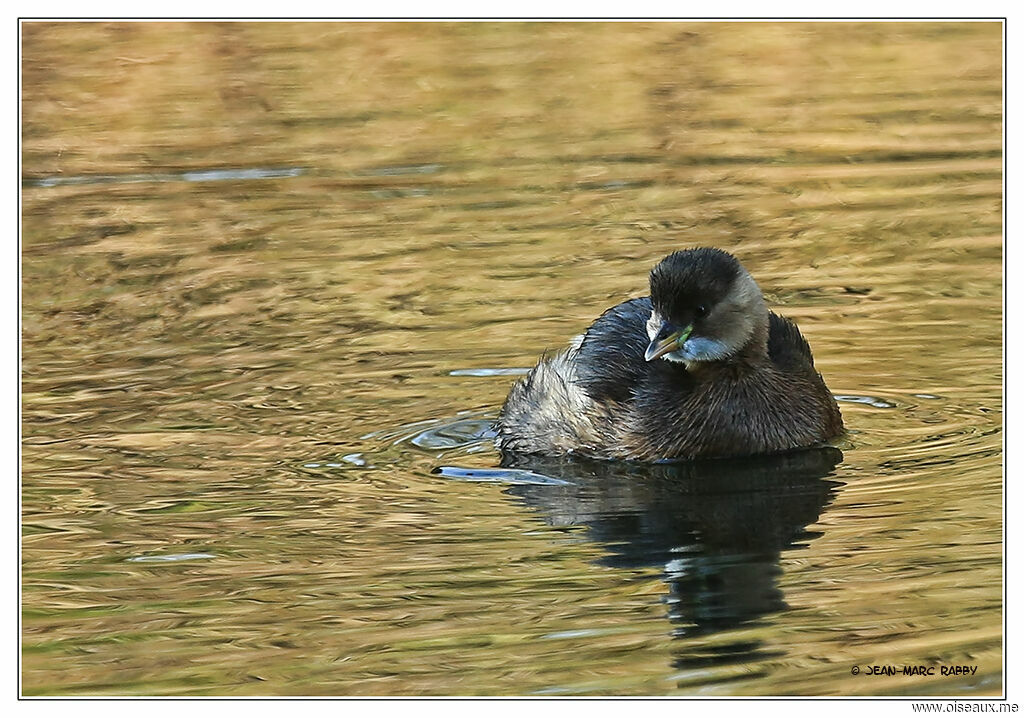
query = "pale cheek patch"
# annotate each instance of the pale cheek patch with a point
(675, 356)
(653, 325)
(697, 349)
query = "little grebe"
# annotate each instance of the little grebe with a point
(699, 369)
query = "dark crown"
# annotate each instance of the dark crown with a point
(692, 277)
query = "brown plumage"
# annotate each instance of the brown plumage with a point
(700, 368)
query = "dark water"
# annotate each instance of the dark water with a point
(275, 279)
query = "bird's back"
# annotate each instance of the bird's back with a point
(602, 398)
(610, 360)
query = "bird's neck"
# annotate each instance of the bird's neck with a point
(751, 355)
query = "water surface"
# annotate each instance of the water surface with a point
(278, 278)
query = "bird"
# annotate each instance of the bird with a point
(699, 369)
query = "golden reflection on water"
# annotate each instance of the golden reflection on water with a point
(466, 196)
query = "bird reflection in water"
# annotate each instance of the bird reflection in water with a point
(718, 527)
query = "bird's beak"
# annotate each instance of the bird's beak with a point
(668, 339)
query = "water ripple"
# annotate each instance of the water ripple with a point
(874, 401)
(211, 175)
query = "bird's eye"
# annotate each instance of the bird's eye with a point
(701, 311)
